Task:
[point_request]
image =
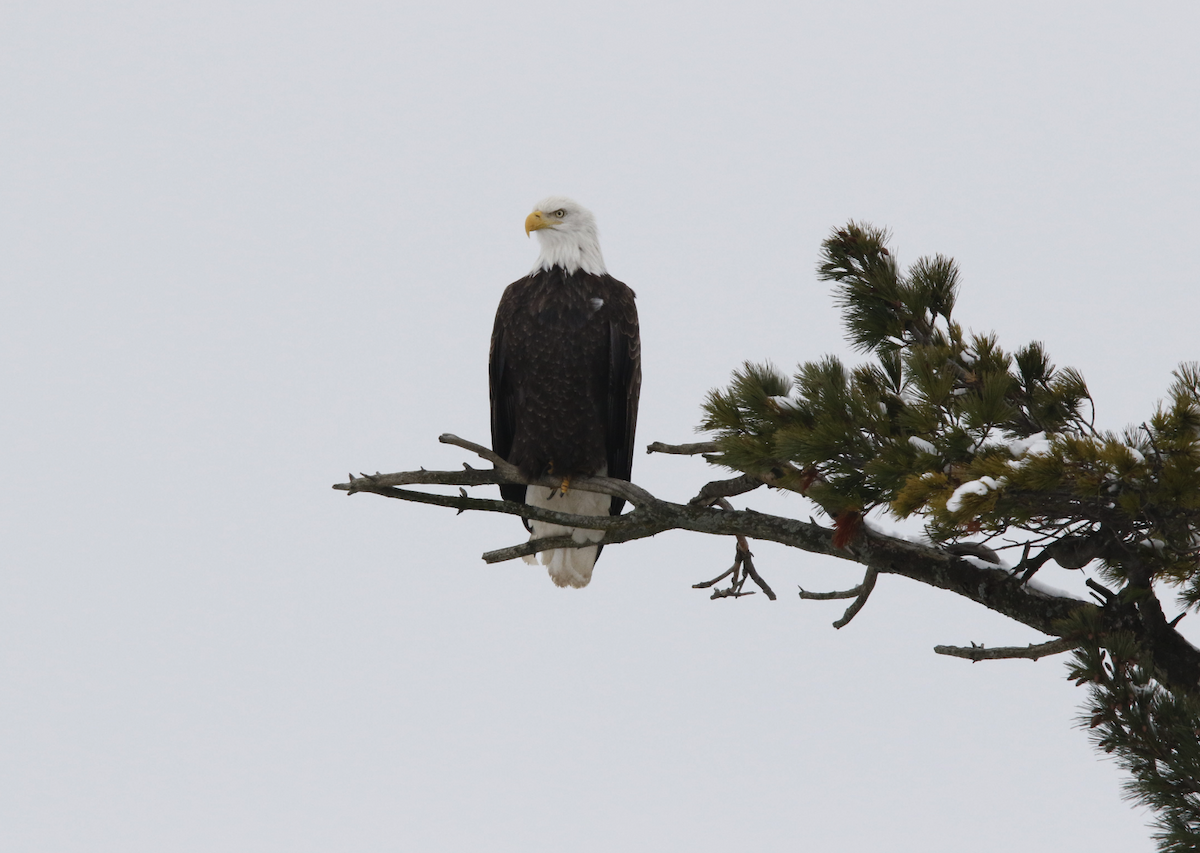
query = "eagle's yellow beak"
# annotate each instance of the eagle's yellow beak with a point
(535, 222)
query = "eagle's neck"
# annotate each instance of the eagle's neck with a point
(573, 251)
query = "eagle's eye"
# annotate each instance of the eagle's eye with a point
(560, 213)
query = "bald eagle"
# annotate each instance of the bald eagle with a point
(565, 372)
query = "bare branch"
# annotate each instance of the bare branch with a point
(378, 485)
(830, 596)
(746, 558)
(468, 477)
(731, 592)
(725, 489)
(706, 584)
(694, 449)
(483, 477)
(742, 568)
(479, 450)
(976, 653)
(752, 573)
(864, 591)
(533, 546)
(734, 590)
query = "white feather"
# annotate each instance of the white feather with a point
(572, 241)
(568, 566)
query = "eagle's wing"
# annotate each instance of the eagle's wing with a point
(624, 386)
(503, 395)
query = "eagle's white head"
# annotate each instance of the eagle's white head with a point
(568, 236)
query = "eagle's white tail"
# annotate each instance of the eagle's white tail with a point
(567, 566)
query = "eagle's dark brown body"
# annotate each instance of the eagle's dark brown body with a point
(565, 373)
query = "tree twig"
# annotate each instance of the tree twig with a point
(533, 546)
(694, 449)
(748, 567)
(378, 485)
(976, 653)
(864, 591)
(734, 590)
(706, 584)
(858, 593)
(479, 450)
(730, 488)
(830, 596)
(742, 568)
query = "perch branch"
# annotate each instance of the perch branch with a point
(1177, 661)
(993, 588)
(379, 484)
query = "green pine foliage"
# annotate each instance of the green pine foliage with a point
(1136, 720)
(947, 425)
(978, 441)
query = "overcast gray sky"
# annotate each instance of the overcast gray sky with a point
(248, 247)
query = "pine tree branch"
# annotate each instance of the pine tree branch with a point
(977, 653)
(995, 588)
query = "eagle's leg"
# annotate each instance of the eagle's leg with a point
(563, 487)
